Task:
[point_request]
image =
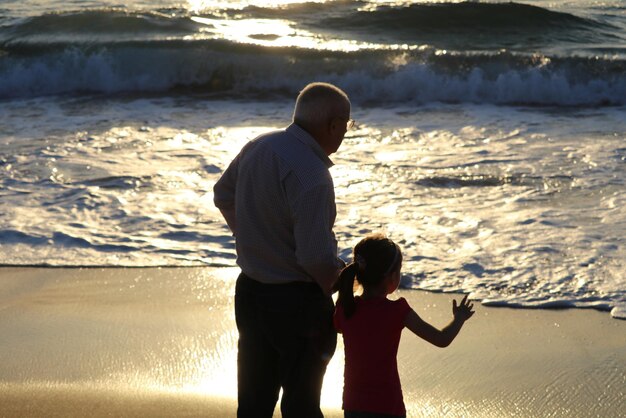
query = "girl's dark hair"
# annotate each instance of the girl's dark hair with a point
(374, 257)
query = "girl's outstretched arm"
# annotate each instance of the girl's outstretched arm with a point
(443, 337)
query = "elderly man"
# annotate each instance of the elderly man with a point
(277, 197)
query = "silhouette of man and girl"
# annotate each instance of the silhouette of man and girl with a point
(277, 197)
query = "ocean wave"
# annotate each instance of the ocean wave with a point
(118, 182)
(443, 24)
(514, 21)
(373, 76)
(11, 236)
(455, 182)
(117, 50)
(429, 15)
(464, 25)
(59, 239)
(95, 27)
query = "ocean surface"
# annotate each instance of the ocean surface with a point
(490, 139)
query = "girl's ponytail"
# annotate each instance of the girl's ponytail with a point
(346, 288)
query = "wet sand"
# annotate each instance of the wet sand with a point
(162, 343)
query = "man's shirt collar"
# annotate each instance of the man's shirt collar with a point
(306, 138)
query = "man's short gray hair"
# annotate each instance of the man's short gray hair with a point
(318, 102)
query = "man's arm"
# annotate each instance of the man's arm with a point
(316, 246)
(229, 217)
(224, 193)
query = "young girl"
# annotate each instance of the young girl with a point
(371, 325)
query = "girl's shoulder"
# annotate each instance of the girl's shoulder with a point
(400, 304)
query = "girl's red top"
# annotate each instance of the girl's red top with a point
(371, 337)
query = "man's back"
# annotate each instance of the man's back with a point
(285, 206)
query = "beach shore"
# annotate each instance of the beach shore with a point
(162, 343)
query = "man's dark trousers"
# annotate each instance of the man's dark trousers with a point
(286, 339)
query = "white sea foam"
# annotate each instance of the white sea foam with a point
(516, 206)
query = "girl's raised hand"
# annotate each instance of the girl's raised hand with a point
(464, 310)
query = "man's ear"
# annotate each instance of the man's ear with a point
(334, 124)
